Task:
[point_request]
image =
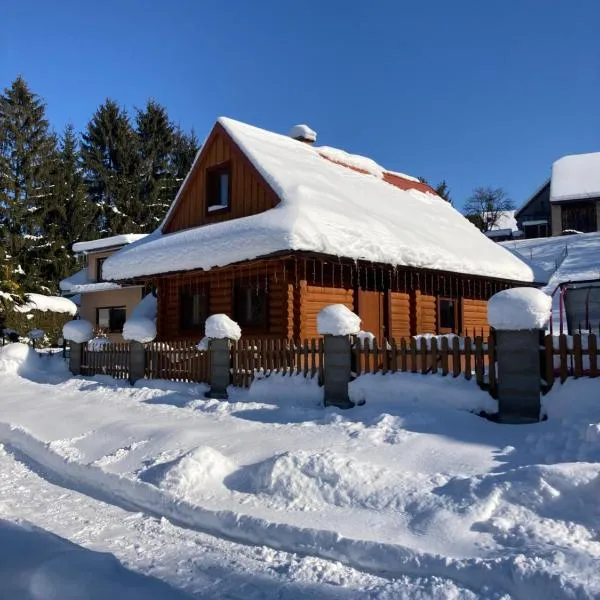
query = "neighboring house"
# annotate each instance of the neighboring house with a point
(575, 194)
(105, 304)
(269, 229)
(569, 202)
(533, 218)
(504, 228)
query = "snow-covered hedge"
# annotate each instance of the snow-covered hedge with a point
(141, 326)
(337, 319)
(78, 331)
(519, 308)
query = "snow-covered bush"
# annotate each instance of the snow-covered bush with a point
(220, 327)
(78, 331)
(97, 344)
(337, 319)
(519, 308)
(141, 326)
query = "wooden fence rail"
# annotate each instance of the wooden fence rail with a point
(106, 359)
(275, 356)
(569, 356)
(177, 361)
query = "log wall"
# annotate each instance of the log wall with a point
(474, 317)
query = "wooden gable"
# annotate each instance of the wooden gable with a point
(249, 192)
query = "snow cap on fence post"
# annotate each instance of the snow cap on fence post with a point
(336, 323)
(77, 332)
(219, 331)
(518, 317)
(519, 309)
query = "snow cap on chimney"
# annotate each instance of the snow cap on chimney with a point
(303, 133)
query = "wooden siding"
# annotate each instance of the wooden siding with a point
(425, 320)
(250, 194)
(399, 315)
(474, 317)
(372, 312)
(220, 285)
(313, 299)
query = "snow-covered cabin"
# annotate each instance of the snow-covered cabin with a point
(269, 229)
(104, 303)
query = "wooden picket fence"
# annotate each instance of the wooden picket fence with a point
(569, 356)
(461, 356)
(177, 361)
(467, 356)
(106, 359)
(275, 356)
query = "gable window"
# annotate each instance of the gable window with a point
(447, 315)
(111, 319)
(194, 307)
(218, 187)
(251, 306)
(99, 265)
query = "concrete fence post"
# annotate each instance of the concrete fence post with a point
(75, 358)
(519, 374)
(220, 368)
(337, 350)
(137, 361)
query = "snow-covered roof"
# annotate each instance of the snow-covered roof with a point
(506, 220)
(326, 208)
(109, 242)
(80, 283)
(575, 177)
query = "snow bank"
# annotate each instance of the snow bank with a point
(56, 304)
(109, 242)
(16, 357)
(36, 564)
(21, 359)
(221, 327)
(191, 476)
(337, 319)
(79, 331)
(324, 208)
(141, 325)
(519, 308)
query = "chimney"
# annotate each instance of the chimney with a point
(303, 133)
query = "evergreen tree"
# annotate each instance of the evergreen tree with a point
(441, 189)
(71, 217)
(111, 170)
(28, 156)
(155, 139)
(185, 148)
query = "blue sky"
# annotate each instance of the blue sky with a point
(474, 92)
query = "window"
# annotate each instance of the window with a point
(194, 308)
(99, 264)
(447, 315)
(218, 187)
(251, 306)
(111, 319)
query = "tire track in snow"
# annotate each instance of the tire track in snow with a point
(511, 575)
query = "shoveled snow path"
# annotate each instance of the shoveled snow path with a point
(201, 565)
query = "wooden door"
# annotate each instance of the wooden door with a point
(371, 312)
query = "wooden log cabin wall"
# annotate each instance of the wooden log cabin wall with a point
(289, 291)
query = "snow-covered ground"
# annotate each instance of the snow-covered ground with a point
(269, 495)
(563, 259)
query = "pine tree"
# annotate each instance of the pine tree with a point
(155, 139)
(185, 148)
(70, 218)
(111, 170)
(28, 155)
